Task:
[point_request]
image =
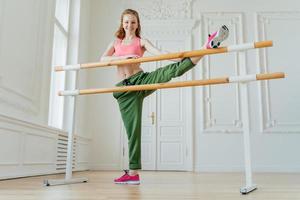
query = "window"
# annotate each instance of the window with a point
(59, 52)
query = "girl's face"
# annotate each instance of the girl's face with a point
(130, 23)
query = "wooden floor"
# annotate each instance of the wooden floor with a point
(156, 186)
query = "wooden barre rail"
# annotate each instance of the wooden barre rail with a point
(231, 48)
(222, 80)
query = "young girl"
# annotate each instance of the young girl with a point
(129, 44)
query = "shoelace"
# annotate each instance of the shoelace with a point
(126, 173)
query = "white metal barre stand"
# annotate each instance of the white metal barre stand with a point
(249, 187)
(71, 110)
(246, 136)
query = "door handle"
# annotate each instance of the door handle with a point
(152, 116)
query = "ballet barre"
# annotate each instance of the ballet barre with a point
(186, 54)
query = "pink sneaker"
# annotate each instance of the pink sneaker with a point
(127, 179)
(215, 39)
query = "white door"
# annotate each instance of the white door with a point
(165, 123)
(149, 132)
(171, 127)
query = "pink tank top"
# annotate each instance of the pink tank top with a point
(134, 48)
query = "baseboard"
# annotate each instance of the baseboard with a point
(255, 168)
(100, 166)
(23, 175)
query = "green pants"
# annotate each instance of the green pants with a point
(131, 103)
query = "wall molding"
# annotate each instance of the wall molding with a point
(241, 168)
(208, 22)
(161, 9)
(268, 123)
(167, 29)
(36, 159)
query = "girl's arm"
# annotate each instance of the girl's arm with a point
(155, 51)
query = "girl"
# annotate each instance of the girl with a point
(129, 44)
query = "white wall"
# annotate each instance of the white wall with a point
(218, 147)
(25, 40)
(28, 145)
(25, 60)
(104, 121)
(82, 130)
(272, 104)
(83, 57)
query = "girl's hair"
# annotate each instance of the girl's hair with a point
(120, 32)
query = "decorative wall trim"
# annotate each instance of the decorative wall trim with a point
(167, 29)
(20, 124)
(268, 123)
(160, 9)
(27, 160)
(14, 156)
(240, 168)
(234, 21)
(43, 141)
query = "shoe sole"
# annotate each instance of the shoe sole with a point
(129, 183)
(222, 35)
